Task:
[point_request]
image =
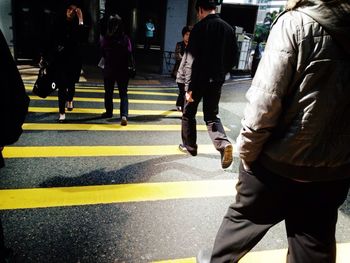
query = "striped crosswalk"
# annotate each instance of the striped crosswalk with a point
(105, 127)
(97, 151)
(107, 194)
(85, 143)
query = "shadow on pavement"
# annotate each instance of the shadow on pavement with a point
(140, 172)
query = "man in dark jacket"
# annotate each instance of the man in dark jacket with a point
(294, 143)
(213, 49)
(13, 107)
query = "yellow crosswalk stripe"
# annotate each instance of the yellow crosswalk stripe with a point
(130, 88)
(271, 256)
(105, 127)
(133, 92)
(169, 113)
(108, 194)
(54, 98)
(97, 151)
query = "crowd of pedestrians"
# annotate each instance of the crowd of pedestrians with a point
(293, 144)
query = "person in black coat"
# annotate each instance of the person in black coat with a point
(63, 53)
(14, 104)
(212, 48)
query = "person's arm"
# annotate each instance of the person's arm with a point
(270, 85)
(129, 44)
(187, 74)
(13, 98)
(178, 55)
(80, 16)
(192, 50)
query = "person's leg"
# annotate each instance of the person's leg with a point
(122, 83)
(188, 124)
(211, 99)
(70, 92)
(62, 96)
(311, 221)
(258, 206)
(215, 128)
(61, 83)
(181, 97)
(108, 99)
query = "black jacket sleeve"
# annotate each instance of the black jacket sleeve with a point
(13, 98)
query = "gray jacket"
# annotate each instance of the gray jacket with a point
(185, 70)
(297, 120)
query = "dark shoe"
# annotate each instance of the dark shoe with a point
(70, 105)
(123, 121)
(203, 256)
(107, 115)
(183, 149)
(226, 156)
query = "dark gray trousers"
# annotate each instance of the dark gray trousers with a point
(210, 92)
(264, 199)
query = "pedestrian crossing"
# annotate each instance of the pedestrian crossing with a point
(101, 140)
(105, 127)
(107, 194)
(271, 256)
(97, 151)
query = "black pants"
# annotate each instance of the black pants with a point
(264, 199)
(122, 83)
(66, 89)
(210, 92)
(180, 102)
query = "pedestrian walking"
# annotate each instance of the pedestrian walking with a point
(13, 107)
(179, 52)
(116, 51)
(211, 53)
(64, 51)
(294, 143)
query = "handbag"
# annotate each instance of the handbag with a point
(131, 66)
(45, 83)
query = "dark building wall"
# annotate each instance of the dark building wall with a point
(34, 19)
(240, 15)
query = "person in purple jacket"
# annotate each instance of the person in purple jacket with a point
(116, 52)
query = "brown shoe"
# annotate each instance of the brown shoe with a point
(226, 156)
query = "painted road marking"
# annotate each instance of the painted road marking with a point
(91, 86)
(97, 151)
(133, 92)
(168, 113)
(271, 256)
(156, 102)
(108, 194)
(105, 127)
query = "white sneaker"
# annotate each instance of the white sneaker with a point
(62, 117)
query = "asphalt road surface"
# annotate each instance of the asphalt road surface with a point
(90, 190)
